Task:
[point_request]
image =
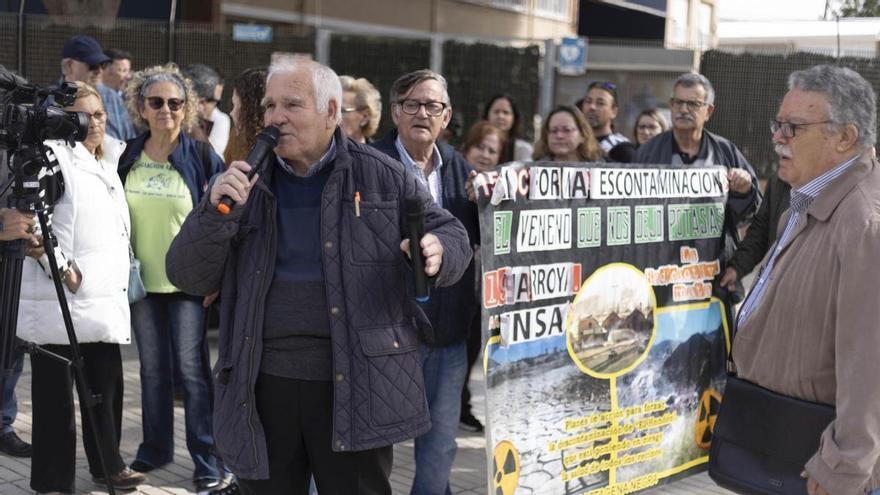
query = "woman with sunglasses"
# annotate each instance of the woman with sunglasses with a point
(165, 173)
(91, 224)
(566, 137)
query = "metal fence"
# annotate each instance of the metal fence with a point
(475, 69)
(749, 85)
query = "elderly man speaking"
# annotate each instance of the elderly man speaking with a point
(809, 328)
(319, 368)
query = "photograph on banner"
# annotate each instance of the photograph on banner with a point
(605, 345)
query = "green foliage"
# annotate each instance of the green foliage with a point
(860, 8)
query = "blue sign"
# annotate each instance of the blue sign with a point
(573, 56)
(253, 33)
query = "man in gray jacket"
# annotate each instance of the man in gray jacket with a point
(690, 143)
(319, 368)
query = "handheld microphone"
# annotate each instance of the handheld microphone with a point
(267, 139)
(414, 214)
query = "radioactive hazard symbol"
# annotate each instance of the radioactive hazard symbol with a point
(505, 465)
(709, 404)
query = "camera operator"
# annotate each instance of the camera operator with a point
(91, 223)
(13, 225)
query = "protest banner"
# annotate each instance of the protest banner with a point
(605, 354)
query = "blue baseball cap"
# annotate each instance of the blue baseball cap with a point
(85, 49)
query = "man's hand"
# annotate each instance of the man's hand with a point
(233, 183)
(813, 486)
(432, 250)
(17, 225)
(728, 280)
(739, 180)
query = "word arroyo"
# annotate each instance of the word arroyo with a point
(513, 285)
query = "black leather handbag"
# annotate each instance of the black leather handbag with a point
(763, 439)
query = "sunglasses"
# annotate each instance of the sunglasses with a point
(604, 85)
(157, 102)
(96, 67)
(607, 86)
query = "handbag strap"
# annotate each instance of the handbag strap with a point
(730, 367)
(128, 236)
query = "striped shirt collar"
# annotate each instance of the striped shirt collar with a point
(802, 197)
(406, 159)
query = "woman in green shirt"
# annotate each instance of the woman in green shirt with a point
(165, 173)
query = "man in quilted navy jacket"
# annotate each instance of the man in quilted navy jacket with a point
(421, 108)
(320, 367)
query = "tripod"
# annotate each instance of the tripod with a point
(12, 255)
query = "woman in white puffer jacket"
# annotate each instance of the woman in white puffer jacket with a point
(91, 224)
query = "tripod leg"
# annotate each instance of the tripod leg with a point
(12, 255)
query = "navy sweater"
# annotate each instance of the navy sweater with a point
(296, 332)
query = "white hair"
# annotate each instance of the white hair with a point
(325, 82)
(851, 98)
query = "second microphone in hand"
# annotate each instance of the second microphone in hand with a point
(267, 139)
(414, 217)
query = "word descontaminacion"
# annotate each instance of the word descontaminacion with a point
(614, 183)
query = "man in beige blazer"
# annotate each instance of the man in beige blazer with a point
(810, 328)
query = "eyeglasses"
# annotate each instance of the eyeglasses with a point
(210, 100)
(789, 129)
(157, 102)
(355, 109)
(692, 105)
(648, 127)
(432, 108)
(98, 116)
(562, 130)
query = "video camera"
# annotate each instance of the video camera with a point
(29, 115)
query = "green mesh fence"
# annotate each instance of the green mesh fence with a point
(147, 40)
(749, 88)
(381, 60)
(477, 71)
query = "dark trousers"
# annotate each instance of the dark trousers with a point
(54, 425)
(474, 346)
(297, 418)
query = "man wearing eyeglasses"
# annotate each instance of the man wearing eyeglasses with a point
(600, 108)
(420, 108)
(808, 328)
(689, 143)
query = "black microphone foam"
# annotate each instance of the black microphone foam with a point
(267, 139)
(414, 217)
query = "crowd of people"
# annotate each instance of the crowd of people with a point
(325, 359)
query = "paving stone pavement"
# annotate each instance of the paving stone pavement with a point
(468, 475)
